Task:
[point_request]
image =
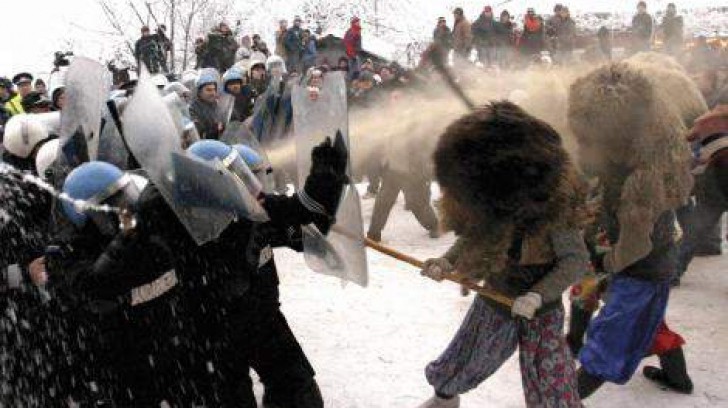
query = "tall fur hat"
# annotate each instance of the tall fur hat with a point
(501, 164)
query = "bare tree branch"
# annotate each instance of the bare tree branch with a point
(115, 23)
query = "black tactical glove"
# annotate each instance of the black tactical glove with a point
(323, 188)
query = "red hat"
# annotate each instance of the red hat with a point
(355, 20)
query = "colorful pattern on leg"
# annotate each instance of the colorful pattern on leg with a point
(548, 371)
(485, 340)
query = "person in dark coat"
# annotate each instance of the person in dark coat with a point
(672, 29)
(642, 30)
(505, 39)
(605, 42)
(234, 85)
(148, 53)
(233, 289)
(485, 36)
(204, 109)
(565, 37)
(221, 47)
(533, 39)
(442, 36)
(294, 46)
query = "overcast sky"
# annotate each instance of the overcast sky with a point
(33, 29)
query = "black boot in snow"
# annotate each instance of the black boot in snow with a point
(673, 373)
(588, 383)
(579, 319)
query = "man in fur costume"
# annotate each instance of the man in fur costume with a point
(631, 138)
(671, 85)
(511, 195)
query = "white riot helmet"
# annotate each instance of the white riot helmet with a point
(189, 79)
(23, 133)
(177, 88)
(275, 63)
(51, 120)
(45, 157)
(159, 80)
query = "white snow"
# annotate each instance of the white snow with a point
(370, 346)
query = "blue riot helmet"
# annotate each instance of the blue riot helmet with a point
(99, 183)
(231, 75)
(258, 165)
(210, 150)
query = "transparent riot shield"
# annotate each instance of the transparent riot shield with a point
(86, 88)
(152, 138)
(317, 115)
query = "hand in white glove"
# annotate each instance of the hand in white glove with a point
(437, 268)
(527, 305)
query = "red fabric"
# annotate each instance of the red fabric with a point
(713, 122)
(532, 24)
(351, 38)
(665, 340)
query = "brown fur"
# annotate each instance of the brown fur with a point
(624, 122)
(501, 166)
(656, 59)
(672, 81)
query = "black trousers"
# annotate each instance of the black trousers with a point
(702, 219)
(257, 336)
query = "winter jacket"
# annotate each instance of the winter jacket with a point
(443, 38)
(642, 27)
(294, 42)
(281, 44)
(462, 37)
(566, 35)
(14, 106)
(672, 27)
(546, 263)
(243, 107)
(205, 116)
(505, 33)
(352, 41)
(533, 38)
(221, 49)
(310, 53)
(148, 52)
(261, 47)
(484, 31)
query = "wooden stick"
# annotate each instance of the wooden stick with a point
(490, 294)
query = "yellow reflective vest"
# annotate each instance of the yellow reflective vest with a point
(14, 106)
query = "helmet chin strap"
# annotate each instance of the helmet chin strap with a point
(230, 158)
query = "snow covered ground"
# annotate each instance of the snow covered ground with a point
(370, 346)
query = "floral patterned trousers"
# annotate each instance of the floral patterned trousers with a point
(487, 338)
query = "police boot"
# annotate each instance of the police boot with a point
(673, 373)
